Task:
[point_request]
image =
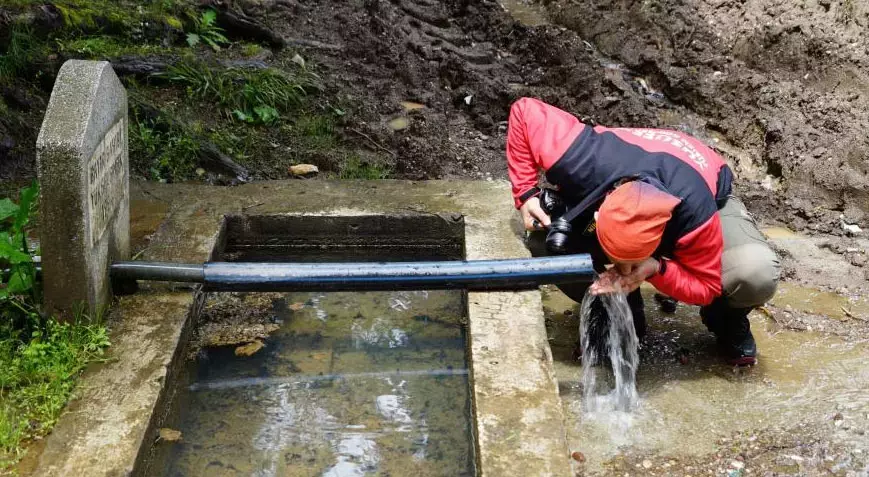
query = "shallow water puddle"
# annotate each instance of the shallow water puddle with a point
(689, 399)
(351, 384)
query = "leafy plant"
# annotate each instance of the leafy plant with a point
(40, 357)
(37, 377)
(207, 31)
(167, 151)
(18, 284)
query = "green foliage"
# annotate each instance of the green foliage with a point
(163, 150)
(37, 376)
(19, 291)
(252, 96)
(251, 49)
(39, 356)
(104, 47)
(353, 167)
(22, 49)
(207, 31)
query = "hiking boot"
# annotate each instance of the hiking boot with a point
(739, 350)
(635, 301)
(666, 304)
(732, 332)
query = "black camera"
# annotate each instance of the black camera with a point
(559, 229)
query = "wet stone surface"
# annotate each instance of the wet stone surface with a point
(347, 384)
(802, 410)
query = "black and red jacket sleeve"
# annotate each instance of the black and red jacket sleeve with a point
(693, 275)
(538, 134)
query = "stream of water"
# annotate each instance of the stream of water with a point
(607, 337)
(616, 340)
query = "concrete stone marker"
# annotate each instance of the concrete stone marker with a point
(83, 167)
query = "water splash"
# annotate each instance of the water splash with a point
(606, 330)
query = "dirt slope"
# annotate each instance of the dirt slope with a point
(784, 81)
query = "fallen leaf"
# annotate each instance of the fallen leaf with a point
(297, 306)
(398, 124)
(169, 435)
(411, 106)
(249, 349)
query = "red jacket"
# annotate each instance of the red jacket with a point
(579, 159)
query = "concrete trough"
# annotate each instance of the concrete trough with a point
(519, 425)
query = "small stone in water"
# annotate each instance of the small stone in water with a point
(578, 456)
(647, 464)
(169, 435)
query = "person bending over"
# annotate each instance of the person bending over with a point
(656, 204)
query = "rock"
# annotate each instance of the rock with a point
(849, 228)
(647, 464)
(304, 170)
(853, 215)
(297, 306)
(737, 464)
(169, 435)
(249, 349)
(578, 456)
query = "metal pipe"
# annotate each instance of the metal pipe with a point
(472, 275)
(158, 271)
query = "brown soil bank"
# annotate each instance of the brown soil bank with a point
(778, 86)
(785, 81)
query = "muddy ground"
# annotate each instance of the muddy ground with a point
(778, 87)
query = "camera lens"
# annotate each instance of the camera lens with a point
(558, 236)
(551, 202)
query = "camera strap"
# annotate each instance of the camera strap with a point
(600, 191)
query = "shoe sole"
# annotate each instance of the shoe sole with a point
(743, 361)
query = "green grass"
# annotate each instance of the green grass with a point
(103, 46)
(22, 49)
(161, 150)
(253, 96)
(37, 377)
(353, 167)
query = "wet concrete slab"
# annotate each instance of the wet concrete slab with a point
(518, 414)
